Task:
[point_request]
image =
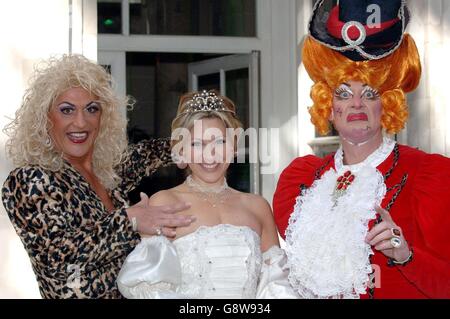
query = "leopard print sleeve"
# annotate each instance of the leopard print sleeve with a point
(59, 242)
(143, 159)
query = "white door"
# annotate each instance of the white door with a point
(115, 62)
(237, 77)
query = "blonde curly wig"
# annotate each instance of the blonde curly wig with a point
(29, 141)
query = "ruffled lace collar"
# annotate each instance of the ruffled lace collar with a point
(325, 239)
(374, 159)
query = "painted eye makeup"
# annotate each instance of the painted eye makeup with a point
(66, 109)
(93, 107)
(370, 93)
(343, 93)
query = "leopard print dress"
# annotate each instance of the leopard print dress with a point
(75, 245)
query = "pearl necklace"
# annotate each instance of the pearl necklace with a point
(212, 195)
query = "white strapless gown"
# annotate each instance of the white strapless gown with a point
(222, 261)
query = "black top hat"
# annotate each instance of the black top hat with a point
(360, 29)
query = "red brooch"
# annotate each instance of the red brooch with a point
(344, 181)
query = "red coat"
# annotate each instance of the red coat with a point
(422, 210)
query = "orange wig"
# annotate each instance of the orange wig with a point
(392, 76)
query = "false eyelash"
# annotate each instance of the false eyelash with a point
(373, 91)
(341, 90)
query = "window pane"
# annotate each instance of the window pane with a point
(209, 82)
(238, 91)
(193, 17)
(109, 16)
(237, 87)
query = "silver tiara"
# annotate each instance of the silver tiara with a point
(205, 102)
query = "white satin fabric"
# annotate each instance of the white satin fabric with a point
(222, 261)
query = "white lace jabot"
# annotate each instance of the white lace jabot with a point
(325, 245)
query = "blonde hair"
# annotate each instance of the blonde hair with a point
(29, 141)
(392, 76)
(229, 119)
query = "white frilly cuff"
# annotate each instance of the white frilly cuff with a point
(273, 282)
(151, 271)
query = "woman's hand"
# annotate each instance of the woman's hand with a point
(158, 220)
(380, 237)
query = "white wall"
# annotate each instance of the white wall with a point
(279, 86)
(306, 132)
(84, 28)
(30, 30)
(429, 123)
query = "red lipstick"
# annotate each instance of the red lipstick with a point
(357, 117)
